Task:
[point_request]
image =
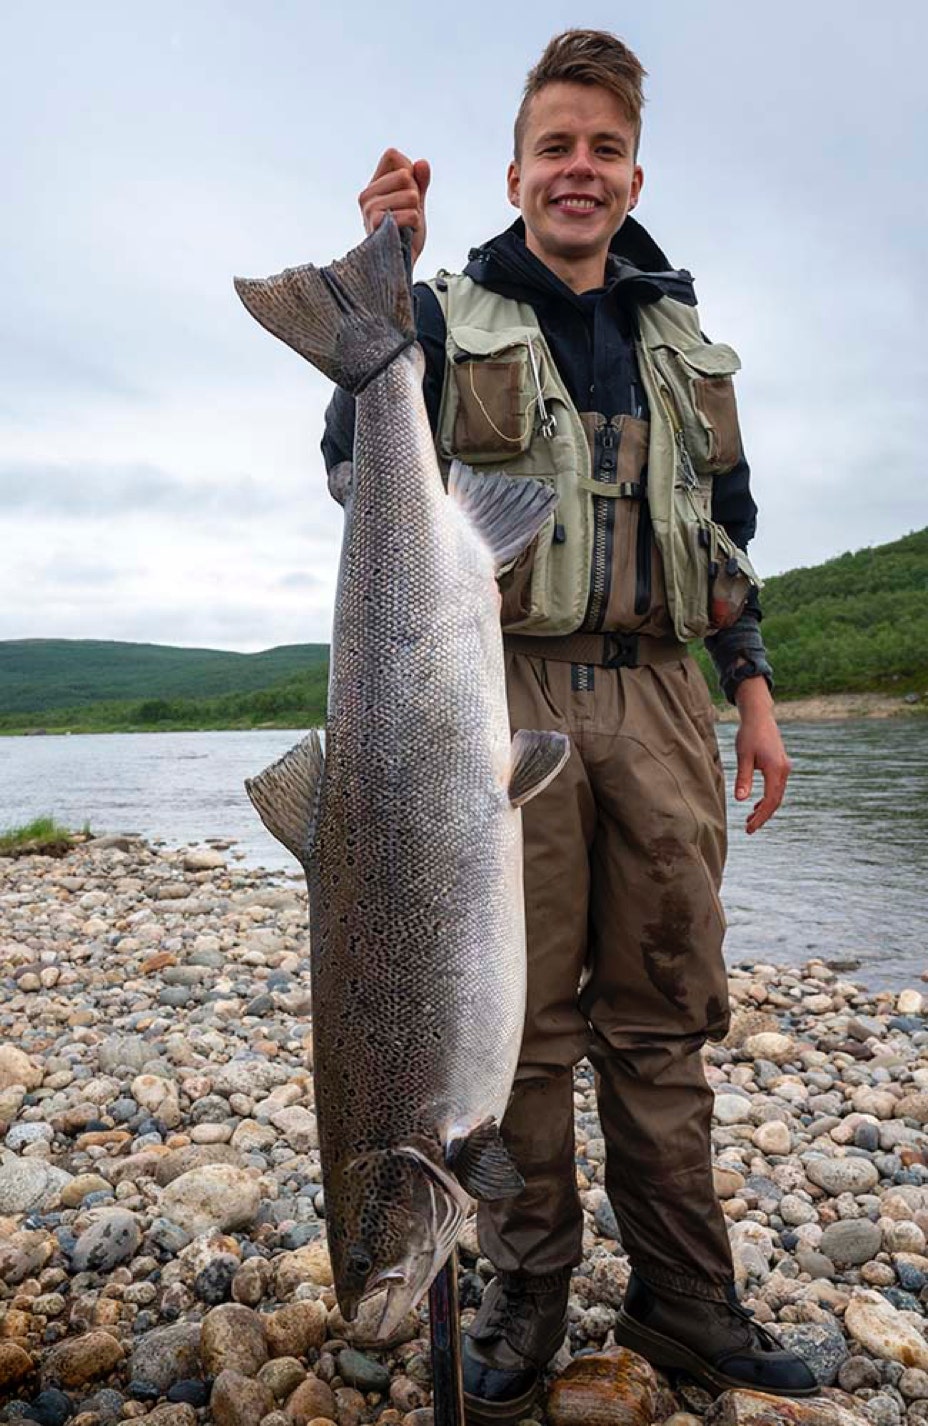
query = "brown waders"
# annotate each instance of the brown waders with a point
(623, 860)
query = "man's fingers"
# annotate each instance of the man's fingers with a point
(422, 173)
(774, 790)
(396, 193)
(390, 161)
(744, 777)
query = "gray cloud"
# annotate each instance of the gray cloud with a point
(91, 491)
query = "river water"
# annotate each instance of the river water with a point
(840, 873)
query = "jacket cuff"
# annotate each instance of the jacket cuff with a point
(739, 653)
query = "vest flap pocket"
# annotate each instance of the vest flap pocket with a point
(697, 387)
(496, 392)
(711, 359)
(474, 341)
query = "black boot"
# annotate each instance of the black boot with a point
(716, 1342)
(520, 1325)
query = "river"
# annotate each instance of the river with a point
(840, 873)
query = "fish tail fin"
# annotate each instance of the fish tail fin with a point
(286, 795)
(350, 319)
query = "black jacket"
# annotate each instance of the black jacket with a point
(590, 336)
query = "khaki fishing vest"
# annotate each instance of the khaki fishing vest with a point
(505, 407)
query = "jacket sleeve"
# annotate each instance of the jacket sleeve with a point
(338, 436)
(738, 653)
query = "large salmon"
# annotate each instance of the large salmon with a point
(408, 829)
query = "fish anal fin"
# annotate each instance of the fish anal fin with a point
(286, 795)
(537, 758)
(508, 512)
(482, 1164)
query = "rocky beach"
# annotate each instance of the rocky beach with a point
(162, 1223)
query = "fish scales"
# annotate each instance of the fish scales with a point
(409, 830)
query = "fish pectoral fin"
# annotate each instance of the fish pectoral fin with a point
(482, 1164)
(341, 480)
(537, 758)
(508, 513)
(286, 795)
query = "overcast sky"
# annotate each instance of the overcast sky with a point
(159, 470)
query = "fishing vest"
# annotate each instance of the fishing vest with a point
(657, 564)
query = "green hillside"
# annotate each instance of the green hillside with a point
(858, 623)
(41, 674)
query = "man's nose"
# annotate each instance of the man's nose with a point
(581, 161)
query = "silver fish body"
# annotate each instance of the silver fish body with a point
(410, 835)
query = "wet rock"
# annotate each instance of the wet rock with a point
(15, 1364)
(880, 1328)
(167, 1355)
(113, 1237)
(309, 1264)
(311, 1399)
(754, 1408)
(82, 1359)
(820, 1344)
(282, 1375)
(215, 1196)
(842, 1175)
(237, 1400)
(615, 1388)
(362, 1372)
(363, 1331)
(295, 1329)
(851, 1241)
(191, 1390)
(232, 1338)
(51, 1407)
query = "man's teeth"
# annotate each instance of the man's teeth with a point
(576, 202)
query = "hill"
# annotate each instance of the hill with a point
(855, 624)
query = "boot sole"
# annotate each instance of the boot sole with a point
(478, 1412)
(665, 1353)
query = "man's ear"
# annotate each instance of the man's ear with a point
(636, 187)
(513, 184)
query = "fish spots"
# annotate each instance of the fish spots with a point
(665, 943)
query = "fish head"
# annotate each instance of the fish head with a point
(395, 1217)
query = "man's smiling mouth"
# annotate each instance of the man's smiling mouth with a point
(576, 203)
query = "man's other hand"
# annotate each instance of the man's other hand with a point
(399, 187)
(759, 748)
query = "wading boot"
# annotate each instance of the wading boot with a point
(520, 1325)
(717, 1343)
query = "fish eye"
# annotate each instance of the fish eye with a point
(358, 1262)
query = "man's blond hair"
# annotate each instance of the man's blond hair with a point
(586, 57)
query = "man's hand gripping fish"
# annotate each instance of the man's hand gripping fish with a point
(408, 830)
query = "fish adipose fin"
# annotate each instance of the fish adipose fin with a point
(482, 1164)
(351, 319)
(537, 758)
(286, 794)
(508, 512)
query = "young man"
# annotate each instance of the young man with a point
(570, 350)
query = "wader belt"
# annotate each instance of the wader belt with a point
(599, 650)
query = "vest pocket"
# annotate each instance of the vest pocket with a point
(697, 385)
(493, 392)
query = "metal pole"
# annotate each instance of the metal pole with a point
(445, 1334)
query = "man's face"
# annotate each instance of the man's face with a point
(576, 179)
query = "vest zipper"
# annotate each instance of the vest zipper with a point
(604, 446)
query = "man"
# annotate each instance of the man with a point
(570, 350)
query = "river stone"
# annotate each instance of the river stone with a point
(878, 1327)
(755, 1408)
(24, 1255)
(820, 1344)
(113, 1237)
(308, 1264)
(15, 1364)
(17, 1068)
(728, 1182)
(851, 1241)
(171, 1413)
(312, 1399)
(232, 1338)
(298, 1126)
(363, 1331)
(249, 1076)
(731, 1109)
(283, 1375)
(214, 1196)
(26, 1184)
(362, 1372)
(296, 1328)
(167, 1355)
(80, 1360)
(769, 1045)
(914, 1106)
(76, 1191)
(203, 859)
(123, 1052)
(158, 1097)
(237, 1400)
(614, 1388)
(910, 1002)
(842, 1175)
(772, 1138)
(193, 1156)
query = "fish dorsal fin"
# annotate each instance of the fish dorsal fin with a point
(286, 795)
(482, 1164)
(537, 758)
(508, 512)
